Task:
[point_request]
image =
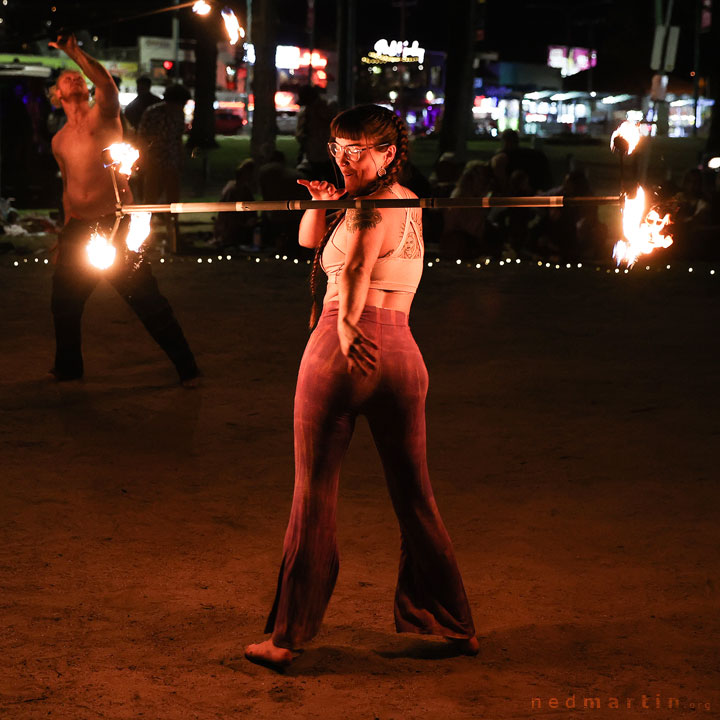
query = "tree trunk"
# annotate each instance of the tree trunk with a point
(457, 115)
(346, 52)
(202, 133)
(712, 147)
(264, 81)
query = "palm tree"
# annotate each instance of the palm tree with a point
(457, 115)
(202, 133)
(263, 32)
(713, 80)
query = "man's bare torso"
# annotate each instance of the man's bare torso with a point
(87, 185)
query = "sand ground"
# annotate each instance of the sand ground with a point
(574, 431)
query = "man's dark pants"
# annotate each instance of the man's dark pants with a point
(75, 279)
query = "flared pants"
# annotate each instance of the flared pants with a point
(430, 597)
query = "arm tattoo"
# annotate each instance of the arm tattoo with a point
(362, 219)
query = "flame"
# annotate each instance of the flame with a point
(139, 230)
(101, 251)
(643, 232)
(124, 156)
(630, 133)
(234, 31)
(201, 7)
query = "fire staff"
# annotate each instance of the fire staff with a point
(89, 203)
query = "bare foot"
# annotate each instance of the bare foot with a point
(466, 646)
(270, 655)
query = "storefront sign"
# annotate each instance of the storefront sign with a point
(395, 51)
(571, 61)
(160, 48)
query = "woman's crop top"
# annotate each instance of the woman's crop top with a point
(398, 270)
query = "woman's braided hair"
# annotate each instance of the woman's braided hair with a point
(377, 126)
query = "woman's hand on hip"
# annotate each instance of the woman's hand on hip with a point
(359, 350)
(321, 190)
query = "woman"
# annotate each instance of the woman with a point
(361, 359)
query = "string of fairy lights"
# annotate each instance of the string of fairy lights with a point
(644, 231)
(702, 269)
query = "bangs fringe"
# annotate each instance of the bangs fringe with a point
(341, 127)
(364, 121)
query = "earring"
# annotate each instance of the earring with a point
(382, 172)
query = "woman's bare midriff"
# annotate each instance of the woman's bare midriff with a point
(391, 299)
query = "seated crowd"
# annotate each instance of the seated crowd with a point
(554, 234)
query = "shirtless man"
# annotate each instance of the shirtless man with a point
(89, 203)
(87, 185)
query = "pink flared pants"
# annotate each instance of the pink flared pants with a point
(430, 597)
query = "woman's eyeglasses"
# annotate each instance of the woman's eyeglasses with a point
(351, 152)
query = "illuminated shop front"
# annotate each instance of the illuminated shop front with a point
(530, 98)
(299, 66)
(500, 89)
(493, 114)
(295, 66)
(683, 115)
(549, 112)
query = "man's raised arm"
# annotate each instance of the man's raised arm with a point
(106, 92)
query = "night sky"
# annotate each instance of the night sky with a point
(621, 31)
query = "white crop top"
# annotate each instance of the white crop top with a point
(398, 270)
